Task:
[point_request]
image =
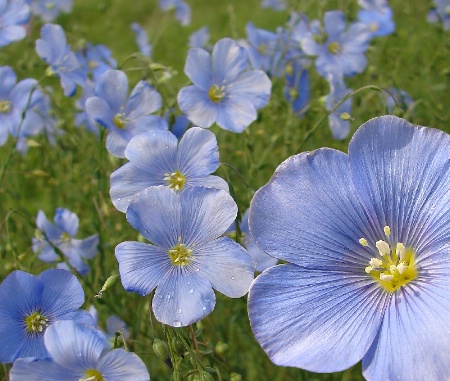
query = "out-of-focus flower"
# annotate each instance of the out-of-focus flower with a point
(277, 5)
(156, 158)
(14, 16)
(339, 118)
(200, 38)
(367, 278)
(53, 49)
(441, 13)
(113, 324)
(339, 50)
(187, 257)
(377, 17)
(80, 352)
(181, 8)
(49, 10)
(123, 116)
(96, 59)
(142, 40)
(223, 92)
(82, 118)
(61, 235)
(397, 97)
(30, 305)
(296, 90)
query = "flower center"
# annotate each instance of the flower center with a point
(92, 375)
(261, 48)
(50, 5)
(394, 265)
(65, 237)
(334, 47)
(373, 26)
(36, 322)
(175, 180)
(216, 93)
(180, 255)
(5, 107)
(119, 120)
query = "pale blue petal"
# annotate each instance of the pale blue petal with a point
(198, 153)
(74, 346)
(120, 365)
(142, 266)
(198, 68)
(117, 141)
(312, 193)
(21, 92)
(402, 173)
(334, 23)
(254, 85)
(86, 248)
(30, 369)
(197, 106)
(156, 213)
(8, 79)
(226, 265)
(52, 232)
(112, 86)
(321, 321)
(236, 114)
(62, 293)
(66, 220)
(143, 100)
(99, 110)
(208, 181)
(414, 341)
(115, 324)
(229, 61)
(206, 213)
(183, 298)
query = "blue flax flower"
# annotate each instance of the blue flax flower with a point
(181, 8)
(53, 49)
(95, 59)
(156, 158)
(49, 10)
(397, 98)
(124, 116)
(61, 235)
(262, 47)
(440, 13)
(342, 50)
(223, 92)
(379, 22)
(296, 89)
(30, 304)
(366, 238)
(188, 257)
(14, 99)
(79, 353)
(142, 40)
(14, 16)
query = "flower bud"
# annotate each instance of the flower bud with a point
(161, 350)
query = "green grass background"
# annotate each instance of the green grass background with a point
(75, 173)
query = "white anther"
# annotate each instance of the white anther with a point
(385, 277)
(387, 230)
(401, 251)
(383, 247)
(368, 269)
(401, 267)
(375, 262)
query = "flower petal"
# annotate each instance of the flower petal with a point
(143, 100)
(119, 364)
(183, 298)
(67, 221)
(236, 114)
(197, 106)
(198, 68)
(321, 321)
(226, 265)
(229, 61)
(253, 85)
(112, 86)
(414, 340)
(31, 369)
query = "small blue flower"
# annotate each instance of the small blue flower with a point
(14, 16)
(96, 59)
(142, 40)
(124, 116)
(441, 13)
(53, 49)
(30, 304)
(156, 158)
(366, 238)
(338, 118)
(187, 257)
(379, 21)
(61, 235)
(200, 38)
(79, 352)
(277, 5)
(296, 90)
(223, 92)
(181, 8)
(14, 99)
(342, 51)
(397, 97)
(49, 10)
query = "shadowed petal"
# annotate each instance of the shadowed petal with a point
(112, 86)
(197, 106)
(122, 365)
(236, 114)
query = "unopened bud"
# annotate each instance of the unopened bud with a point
(110, 283)
(161, 350)
(235, 377)
(221, 347)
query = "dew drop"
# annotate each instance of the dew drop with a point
(128, 200)
(191, 291)
(176, 323)
(180, 311)
(168, 296)
(118, 199)
(197, 269)
(207, 300)
(160, 296)
(203, 308)
(232, 278)
(189, 282)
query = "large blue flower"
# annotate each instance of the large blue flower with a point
(61, 235)
(124, 116)
(14, 15)
(53, 49)
(30, 304)
(79, 352)
(367, 241)
(156, 158)
(223, 92)
(188, 258)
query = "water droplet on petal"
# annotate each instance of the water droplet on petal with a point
(118, 199)
(197, 269)
(191, 291)
(180, 311)
(203, 308)
(168, 296)
(232, 278)
(176, 323)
